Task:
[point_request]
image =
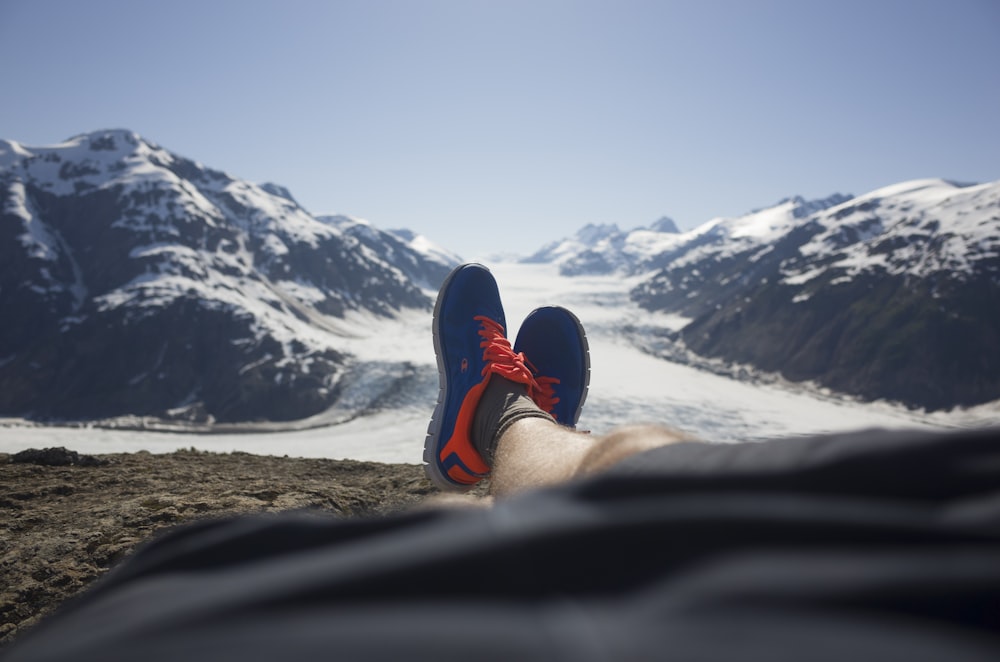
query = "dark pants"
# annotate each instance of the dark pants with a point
(869, 546)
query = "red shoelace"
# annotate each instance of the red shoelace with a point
(501, 360)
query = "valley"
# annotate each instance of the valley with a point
(393, 389)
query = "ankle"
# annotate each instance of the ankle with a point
(502, 404)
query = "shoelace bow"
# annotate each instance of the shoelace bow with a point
(501, 359)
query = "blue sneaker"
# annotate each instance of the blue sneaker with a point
(555, 346)
(471, 345)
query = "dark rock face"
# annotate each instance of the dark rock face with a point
(133, 281)
(878, 337)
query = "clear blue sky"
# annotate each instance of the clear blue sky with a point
(503, 125)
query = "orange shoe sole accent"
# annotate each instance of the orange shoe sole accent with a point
(460, 445)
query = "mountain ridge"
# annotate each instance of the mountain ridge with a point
(891, 294)
(145, 283)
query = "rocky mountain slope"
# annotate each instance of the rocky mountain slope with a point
(136, 281)
(894, 294)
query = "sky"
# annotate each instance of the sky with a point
(499, 126)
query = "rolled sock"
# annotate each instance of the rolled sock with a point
(502, 403)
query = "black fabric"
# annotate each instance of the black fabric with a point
(870, 546)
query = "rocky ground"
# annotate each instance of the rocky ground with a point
(65, 519)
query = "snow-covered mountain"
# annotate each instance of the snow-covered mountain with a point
(593, 250)
(892, 294)
(603, 249)
(136, 281)
(418, 258)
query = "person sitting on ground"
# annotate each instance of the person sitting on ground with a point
(636, 545)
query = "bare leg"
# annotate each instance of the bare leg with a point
(534, 452)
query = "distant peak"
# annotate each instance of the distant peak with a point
(109, 140)
(665, 224)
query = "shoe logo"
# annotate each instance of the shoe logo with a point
(465, 365)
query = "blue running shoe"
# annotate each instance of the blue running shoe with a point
(471, 345)
(555, 346)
